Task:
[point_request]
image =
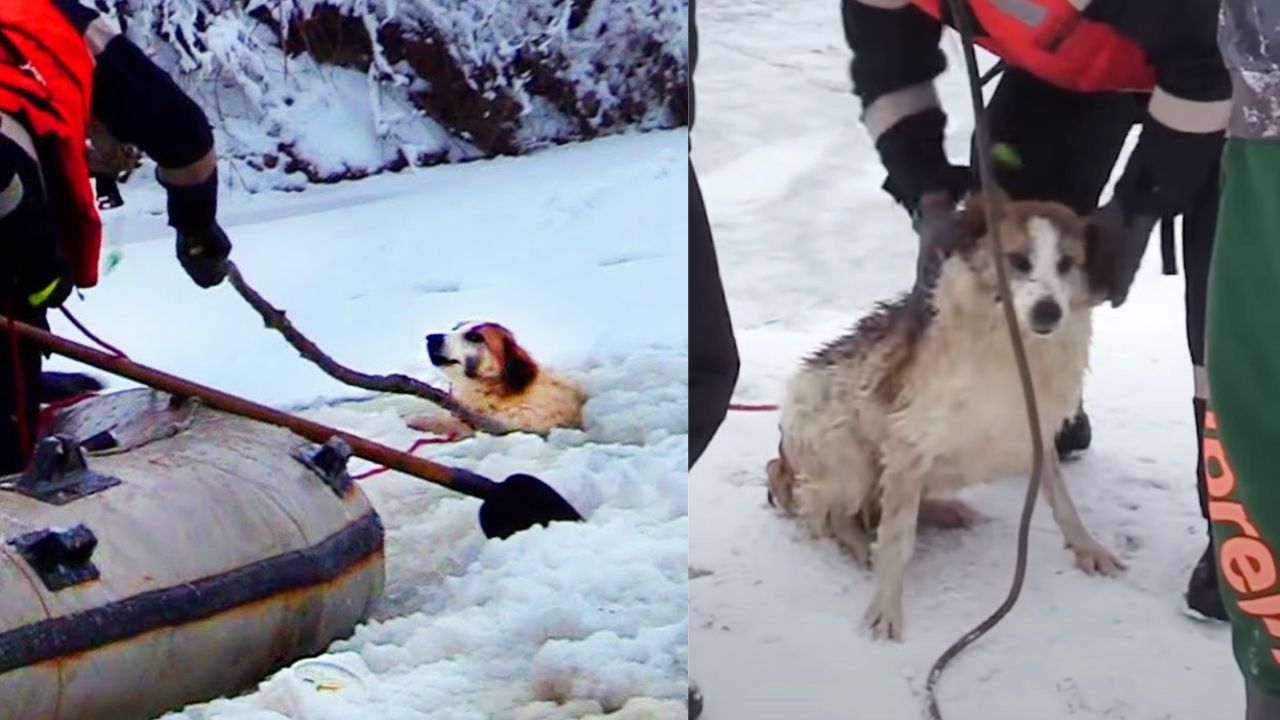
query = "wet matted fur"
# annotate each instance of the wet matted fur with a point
(883, 425)
(493, 376)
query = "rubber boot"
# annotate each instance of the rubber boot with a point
(1076, 434)
(1260, 705)
(1203, 595)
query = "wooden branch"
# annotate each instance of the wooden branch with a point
(398, 384)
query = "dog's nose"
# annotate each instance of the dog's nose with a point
(1045, 315)
(435, 341)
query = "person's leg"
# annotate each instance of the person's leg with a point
(1198, 229)
(713, 353)
(1068, 144)
(15, 444)
(28, 238)
(11, 446)
(1241, 455)
(715, 357)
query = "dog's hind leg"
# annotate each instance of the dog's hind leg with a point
(823, 503)
(947, 513)
(903, 483)
(1091, 555)
(830, 496)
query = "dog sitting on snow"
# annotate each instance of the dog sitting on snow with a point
(494, 377)
(880, 427)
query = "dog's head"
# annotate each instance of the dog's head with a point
(482, 352)
(1047, 250)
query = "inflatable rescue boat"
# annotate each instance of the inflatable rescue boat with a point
(158, 553)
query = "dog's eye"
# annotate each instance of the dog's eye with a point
(1019, 262)
(1065, 265)
(473, 337)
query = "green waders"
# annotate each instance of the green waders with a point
(1242, 444)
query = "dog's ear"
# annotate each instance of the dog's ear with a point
(518, 369)
(972, 218)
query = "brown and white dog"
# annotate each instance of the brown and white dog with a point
(493, 376)
(880, 427)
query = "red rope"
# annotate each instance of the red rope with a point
(746, 407)
(87, 333)
(416, 444)
(49, 413)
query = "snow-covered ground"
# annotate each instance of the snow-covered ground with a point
(807, 243)
(581, 251)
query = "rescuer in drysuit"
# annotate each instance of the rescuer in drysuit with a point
(62, 64)
(713, 351)
(1075, 82)
(1242, 454)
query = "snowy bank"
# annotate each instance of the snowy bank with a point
(308, 91)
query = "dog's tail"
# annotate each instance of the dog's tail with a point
(59, 386)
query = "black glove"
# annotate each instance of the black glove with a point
(1168, 171)
(203, 253)
(202, 246)
(1121, 239)
(940, 233)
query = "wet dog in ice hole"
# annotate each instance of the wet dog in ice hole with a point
(881, 427)
(492, 375)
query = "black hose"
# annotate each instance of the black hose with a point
(987, 174)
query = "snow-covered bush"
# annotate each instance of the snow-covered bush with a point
(324, 90)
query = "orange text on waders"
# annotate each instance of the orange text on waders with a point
(1248, 563)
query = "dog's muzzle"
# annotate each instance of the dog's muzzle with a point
(435, 350)
(1045, 316)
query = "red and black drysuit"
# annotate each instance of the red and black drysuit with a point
(1078, 75)
(61, 64)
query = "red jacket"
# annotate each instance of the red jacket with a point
(1053, 41)
(46, 80)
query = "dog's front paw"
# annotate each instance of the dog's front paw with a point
(1095, 559)
(445, 425)
(884, 619)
